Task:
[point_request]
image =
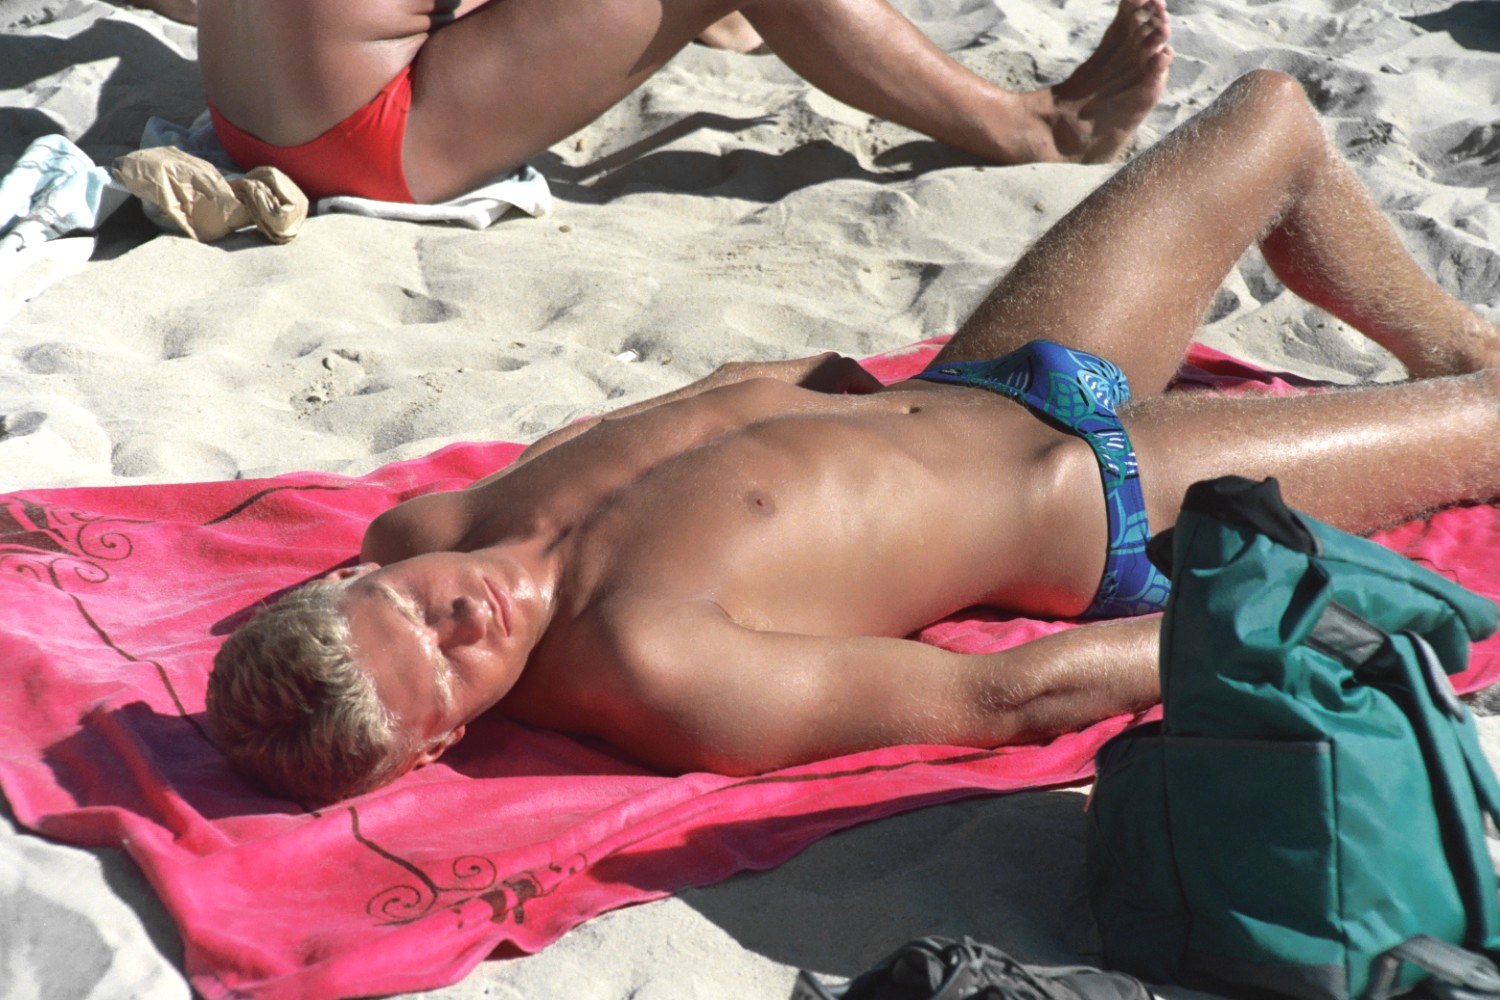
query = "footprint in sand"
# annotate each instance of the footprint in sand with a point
(51, 441)
(164, 459)
(338, 373)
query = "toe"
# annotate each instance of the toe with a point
(1162, 61)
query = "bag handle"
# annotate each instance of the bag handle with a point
(1457, 973)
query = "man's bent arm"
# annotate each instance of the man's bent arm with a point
(740, 701)
(625, 443)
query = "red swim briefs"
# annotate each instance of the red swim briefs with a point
(361, 155)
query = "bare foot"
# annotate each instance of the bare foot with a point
(734, 33)
(1096, 110)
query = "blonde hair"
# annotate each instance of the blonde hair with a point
(291, 709)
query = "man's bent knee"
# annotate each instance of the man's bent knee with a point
(1274, 85)
(1278, 101)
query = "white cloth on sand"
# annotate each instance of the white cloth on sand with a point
(53, 189)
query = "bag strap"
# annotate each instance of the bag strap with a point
(1485, 783)
(1457, 765)
(1450, 742)
(1344, 635)
(1457, 973)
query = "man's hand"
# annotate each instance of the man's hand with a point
(827, 372)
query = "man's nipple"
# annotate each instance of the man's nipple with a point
(760, 502)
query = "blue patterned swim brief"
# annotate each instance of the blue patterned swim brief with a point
(1079, 393)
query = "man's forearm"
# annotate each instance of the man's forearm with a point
(1068, 680)
(774, 699)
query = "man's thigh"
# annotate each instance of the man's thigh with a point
(1130, 272)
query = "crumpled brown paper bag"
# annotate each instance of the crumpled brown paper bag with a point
(195, 196)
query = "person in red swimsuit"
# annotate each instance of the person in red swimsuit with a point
(422, 100)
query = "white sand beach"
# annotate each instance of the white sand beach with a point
(723, 211)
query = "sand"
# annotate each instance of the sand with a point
(724, 211)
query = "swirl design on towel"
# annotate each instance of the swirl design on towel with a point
(474, 877)
(58, 545)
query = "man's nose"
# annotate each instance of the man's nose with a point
(465, 624)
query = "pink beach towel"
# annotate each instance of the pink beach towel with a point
(112, 602)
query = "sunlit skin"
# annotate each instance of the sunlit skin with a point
(456, 629)
(506, 79)
(731, 32)
(723, 577)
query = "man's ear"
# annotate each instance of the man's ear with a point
(350, 572)
(439, 746)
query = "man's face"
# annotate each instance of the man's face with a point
(443, 636)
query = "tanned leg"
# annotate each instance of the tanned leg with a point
(1130, 272)
(868, 55)
(515, 76)
(1358, 458)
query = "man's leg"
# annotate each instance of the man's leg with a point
(1359, 458)
(515, 76)
(1130, 272)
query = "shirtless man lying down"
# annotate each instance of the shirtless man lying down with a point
(721, 578)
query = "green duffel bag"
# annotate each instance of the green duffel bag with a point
(1308, 818)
